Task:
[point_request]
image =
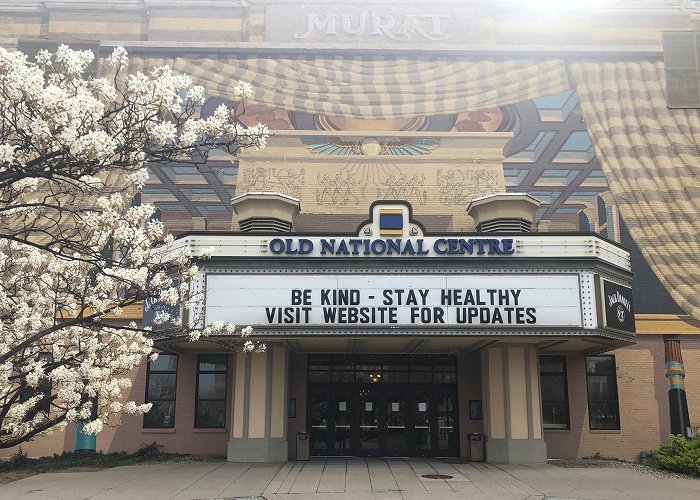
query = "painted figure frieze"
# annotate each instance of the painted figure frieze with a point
(459, 187)
(283, 180)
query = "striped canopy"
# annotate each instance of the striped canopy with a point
(651, 159)
(375, 87)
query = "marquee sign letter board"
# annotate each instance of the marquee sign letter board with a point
(379, 300)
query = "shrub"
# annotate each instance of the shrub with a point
(16, 461)
(149, 450)
(70, 459)
(598, 456)
(680, 455)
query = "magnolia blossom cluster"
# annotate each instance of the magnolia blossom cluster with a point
(52, 108)
(74, 250)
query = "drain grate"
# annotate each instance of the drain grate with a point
(436, 476)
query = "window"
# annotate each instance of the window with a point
(555, 397)
(211, 390)
(386, 369)
(603, 410)
(161, 385)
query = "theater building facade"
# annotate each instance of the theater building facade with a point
(392, 341)
(473, 220)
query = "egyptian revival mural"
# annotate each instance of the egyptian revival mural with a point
(549, 156)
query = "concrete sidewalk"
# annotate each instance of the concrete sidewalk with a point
(350, 479)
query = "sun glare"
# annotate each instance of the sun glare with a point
(566, 4)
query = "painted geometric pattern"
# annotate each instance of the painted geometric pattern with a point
(552, 158)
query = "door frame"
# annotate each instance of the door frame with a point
(352, 389)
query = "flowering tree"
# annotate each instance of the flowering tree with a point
(74, 251)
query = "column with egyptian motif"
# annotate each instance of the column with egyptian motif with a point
(675, 375)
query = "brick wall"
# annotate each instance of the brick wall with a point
(643, 399)
(183, 438)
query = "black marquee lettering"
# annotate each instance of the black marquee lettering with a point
(531, 319)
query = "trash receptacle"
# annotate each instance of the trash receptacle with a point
(302, 445)
(476, 447)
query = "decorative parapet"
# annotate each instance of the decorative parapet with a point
(413, 26)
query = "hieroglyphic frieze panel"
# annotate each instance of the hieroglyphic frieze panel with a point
(281, 180)
(419, 24)
(460, 186)
(440, 183)
(358, 181)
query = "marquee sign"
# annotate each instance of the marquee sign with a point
(390, 300)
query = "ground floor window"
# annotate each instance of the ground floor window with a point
(161, 386)
(555, 397)
(211, 390)
(601, 382)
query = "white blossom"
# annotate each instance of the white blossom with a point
(119, 57)
(243, 90)
(73, 252)
(43, 57)
(196, 94)
(7, 153)
(92, 427)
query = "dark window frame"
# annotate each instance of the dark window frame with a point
(149, 372)
(564, 375)
(616, 399)
(403, 369)
(197, 399)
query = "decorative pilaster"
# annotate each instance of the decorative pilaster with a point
(512, 413)
(259, 414)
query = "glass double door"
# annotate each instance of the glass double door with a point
(383, 420)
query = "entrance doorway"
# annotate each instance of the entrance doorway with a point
(383, 406)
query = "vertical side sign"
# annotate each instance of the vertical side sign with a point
(618, 309)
